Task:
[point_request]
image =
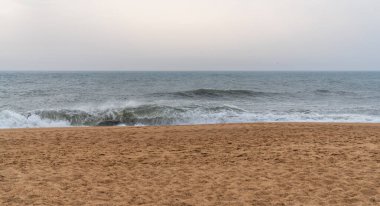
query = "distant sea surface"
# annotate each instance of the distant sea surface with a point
(60, 99)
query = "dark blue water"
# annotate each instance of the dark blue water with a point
(43, 99)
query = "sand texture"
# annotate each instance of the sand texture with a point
(233, 164)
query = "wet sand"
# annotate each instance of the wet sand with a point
(232, 164)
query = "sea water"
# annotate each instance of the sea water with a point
(59, 99)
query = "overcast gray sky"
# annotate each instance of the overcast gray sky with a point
(189, 35)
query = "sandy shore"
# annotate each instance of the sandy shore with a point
(235, 164)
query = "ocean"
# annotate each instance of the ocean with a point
(62, 99)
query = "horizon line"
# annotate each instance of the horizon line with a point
(189, 70)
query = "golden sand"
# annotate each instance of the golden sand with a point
(233, 164)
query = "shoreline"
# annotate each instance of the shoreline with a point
(188, 125)
(215, 164)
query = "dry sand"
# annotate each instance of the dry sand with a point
(235, 164)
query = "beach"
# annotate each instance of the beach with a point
(221, 164)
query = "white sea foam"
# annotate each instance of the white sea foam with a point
(108, 105)
(10, 119)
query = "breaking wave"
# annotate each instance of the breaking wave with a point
(139, 115)
(164, 115)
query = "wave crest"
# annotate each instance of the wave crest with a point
(216, 93)
(328, 92)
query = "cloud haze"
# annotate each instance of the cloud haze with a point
(189, 35)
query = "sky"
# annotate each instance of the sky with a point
(189, 35)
